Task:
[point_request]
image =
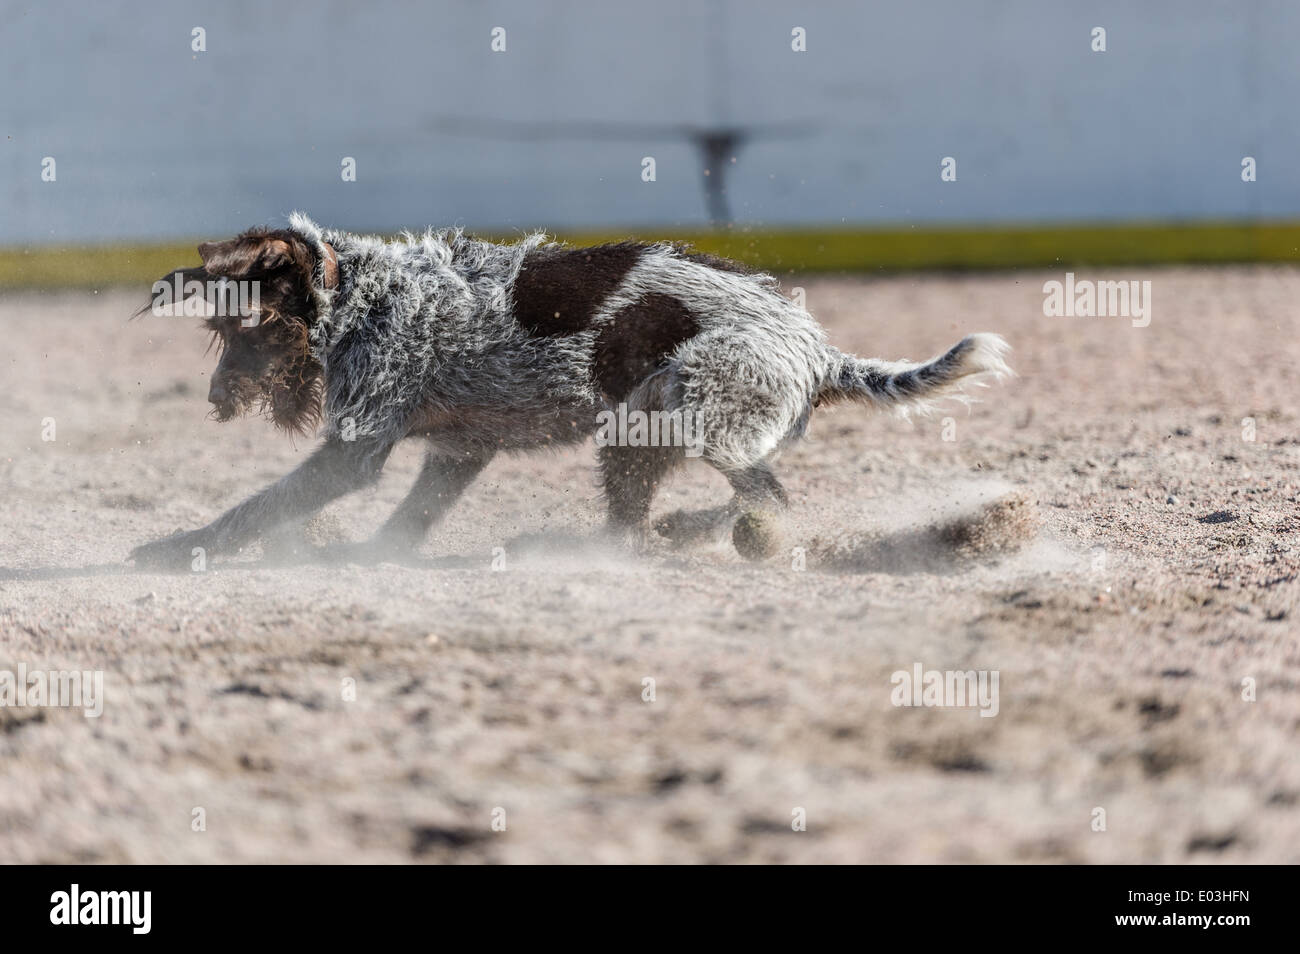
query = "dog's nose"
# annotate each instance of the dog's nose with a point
(217, 393)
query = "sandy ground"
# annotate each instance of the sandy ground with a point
(1163, 574)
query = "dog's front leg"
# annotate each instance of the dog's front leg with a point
(442, 480)
(334, 469)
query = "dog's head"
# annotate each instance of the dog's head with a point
(265, 308)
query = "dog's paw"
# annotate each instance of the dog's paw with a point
(376, 550)
(690, 527)
(176, 553)
(631, 538)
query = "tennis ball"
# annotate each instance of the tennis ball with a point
(756, 535)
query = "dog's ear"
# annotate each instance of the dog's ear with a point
(244, 256)
(174, 288)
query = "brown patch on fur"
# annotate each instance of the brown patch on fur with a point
(559, 290)
(638, 339)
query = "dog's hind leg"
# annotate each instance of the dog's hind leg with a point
(630, 477)
(760, 502)
(752, 515)
(631, 473)
(442, 480)
(744, 418)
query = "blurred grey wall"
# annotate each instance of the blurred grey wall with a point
(154, 140)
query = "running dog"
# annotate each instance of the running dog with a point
(477, 347)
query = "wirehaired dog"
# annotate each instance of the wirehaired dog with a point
(479, 348)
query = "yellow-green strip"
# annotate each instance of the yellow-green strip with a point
(780, 251)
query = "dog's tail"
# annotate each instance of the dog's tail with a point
(904, 385)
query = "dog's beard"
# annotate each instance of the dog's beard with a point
(244, 394)
(288, 388)
(292, 403)
(293, 397)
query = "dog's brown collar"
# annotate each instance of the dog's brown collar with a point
(331, 267)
